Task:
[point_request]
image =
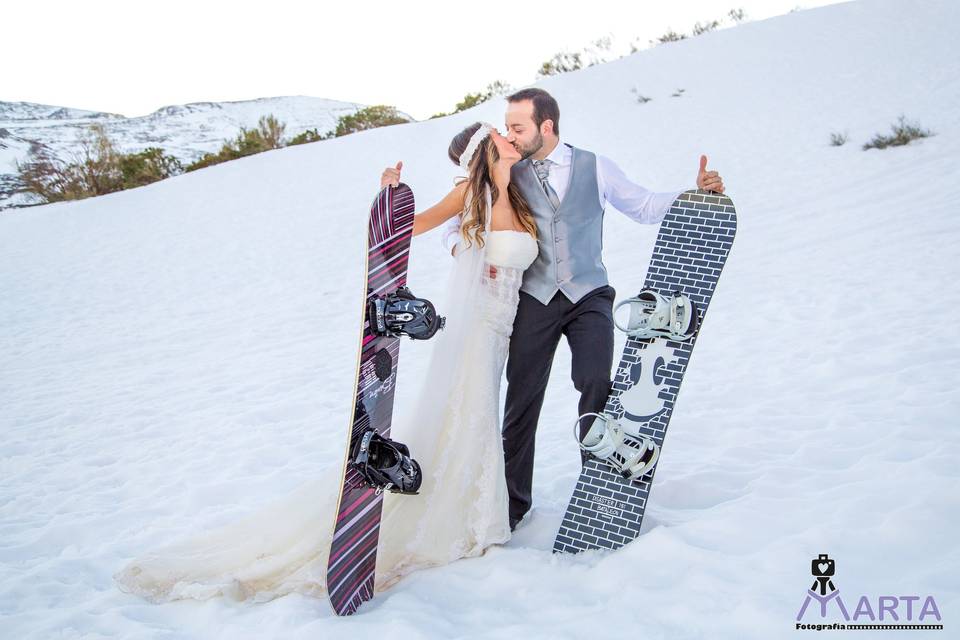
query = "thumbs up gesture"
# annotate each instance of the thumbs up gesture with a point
(391, 175)
(708, 180)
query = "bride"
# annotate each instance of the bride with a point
(462, 506)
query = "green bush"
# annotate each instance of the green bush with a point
(496, 88)
(734, 15)
(669, 36)
(95, 168)
(902, 133)
(49, 178)
(266, 136)
(149, 165)
(310, 135)
(368, 118)
(699, 29)
(642, 99)
(561, 63)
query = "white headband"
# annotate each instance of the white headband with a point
(475, 141)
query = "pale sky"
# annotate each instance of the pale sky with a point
(421, 56)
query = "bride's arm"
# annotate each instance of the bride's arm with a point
(451, 205)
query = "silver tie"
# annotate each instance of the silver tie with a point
(542, 167)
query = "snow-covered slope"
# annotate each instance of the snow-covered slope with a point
(186, 131)
(177, 355)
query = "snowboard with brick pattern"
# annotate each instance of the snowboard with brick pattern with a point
(606, 510)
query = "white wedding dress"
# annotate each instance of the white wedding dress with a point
(462, 507)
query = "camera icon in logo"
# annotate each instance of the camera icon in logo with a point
(822, 566)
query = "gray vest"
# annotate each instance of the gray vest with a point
(570, 239)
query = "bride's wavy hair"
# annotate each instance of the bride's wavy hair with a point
(479, 176)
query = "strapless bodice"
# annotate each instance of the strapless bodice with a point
(509, 248)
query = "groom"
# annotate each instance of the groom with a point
(565, 291)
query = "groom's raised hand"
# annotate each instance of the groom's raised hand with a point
(708, 180)
(391, 175)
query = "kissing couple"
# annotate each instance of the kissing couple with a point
(525, 229)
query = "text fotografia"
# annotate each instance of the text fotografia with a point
(909, 612)
(841, 626)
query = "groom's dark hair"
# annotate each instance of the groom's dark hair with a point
(545, 107)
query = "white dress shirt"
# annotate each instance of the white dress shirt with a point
(636, 202)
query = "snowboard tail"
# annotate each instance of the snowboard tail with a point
(353, 551)
(606, 510)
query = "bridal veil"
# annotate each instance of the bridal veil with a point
(282, 547)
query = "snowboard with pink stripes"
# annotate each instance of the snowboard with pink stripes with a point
(353, 550)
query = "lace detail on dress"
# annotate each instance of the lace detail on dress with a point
(508, 256)
(501, 295)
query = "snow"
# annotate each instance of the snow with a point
(177, 355)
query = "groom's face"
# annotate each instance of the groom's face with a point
(522, 131)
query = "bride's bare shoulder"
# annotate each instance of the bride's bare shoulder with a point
(458, 195)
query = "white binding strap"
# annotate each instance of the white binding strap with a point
(605, 440)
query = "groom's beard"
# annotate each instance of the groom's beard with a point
(535, 146)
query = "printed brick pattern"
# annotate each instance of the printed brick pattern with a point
(695, 237)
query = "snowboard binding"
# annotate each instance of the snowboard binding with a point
(629, 452)
(402, 314)
(654, 315)
(385, 464)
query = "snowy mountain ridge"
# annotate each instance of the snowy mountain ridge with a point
(185, 131)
